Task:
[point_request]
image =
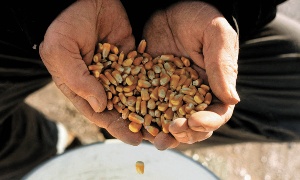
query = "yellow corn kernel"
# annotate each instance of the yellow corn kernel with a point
(134, 127)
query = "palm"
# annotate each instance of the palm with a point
(68, 48)
(200, 32)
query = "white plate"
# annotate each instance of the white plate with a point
(115, 160)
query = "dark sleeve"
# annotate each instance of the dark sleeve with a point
(24, 22)
(250, 15)
(140, 11)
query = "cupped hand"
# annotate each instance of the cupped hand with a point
(198, 31)
(68, 47)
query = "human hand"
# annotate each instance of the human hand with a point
(68, 47)
(197, 30)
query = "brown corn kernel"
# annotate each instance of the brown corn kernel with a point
(129, 88)
(174, 81)
(118, 108)
(110, 105)
(178, 62)
(163, 107)
(147, 119)
(205, 87)
(121, 58)
(138, 104)
(188, 82)
(135, 70)
(119, 88)
(97, 57)
(189, 107)
(114, 49)
(137, 61)
(186, 62)
(154, 94)
(148, 56)
(104, 79)
(169, 114)
(125, 113)
(142, 76)
(142, 46)
(165, 123)
(131, 108)
(197, 82)
(135, 127)
(117, 75)
(144, 83)
(128, 94)
(156, 68)
(115, 99)
(162, 91)
(155, 82)
(109, 95)
(157, 113)
(201, 107)
(135, 118)
(177, 99)
(151, 112)
(144, 107)
(113, 57)
(131, 100)
(127, 62)
(151, 104)
(123, 98)
(208, 98)
(110, 78)
(151, 74)
(139, 166)
(145, 94)
(152, 130)
(193, 73)
(164, 79)
(132, 54)
(96, 74)
(189, 99)
(167, 57)
(106, 50)
(99, 48)
(94, 67)
(199, 98)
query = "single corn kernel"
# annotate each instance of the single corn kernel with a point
(139, 166)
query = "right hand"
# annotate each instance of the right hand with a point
(68, 47)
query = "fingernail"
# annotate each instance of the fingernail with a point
(94, 103)
(233, 93)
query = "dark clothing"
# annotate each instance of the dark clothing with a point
(268, 80)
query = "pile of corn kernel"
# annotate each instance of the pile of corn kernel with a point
(150, 92)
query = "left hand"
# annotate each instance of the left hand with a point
(198, 31)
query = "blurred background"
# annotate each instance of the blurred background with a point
(244, 161)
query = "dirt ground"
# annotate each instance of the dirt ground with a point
(245, 161)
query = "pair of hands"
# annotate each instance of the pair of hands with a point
(191, 29)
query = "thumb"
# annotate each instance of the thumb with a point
(73, 72)
(220, 52)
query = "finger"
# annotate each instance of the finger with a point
(119, 128)
(182, 132)
(165, 141)
(110, 120)
(220, 56)
(68, 64)
(212, 118)
(147, 136)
